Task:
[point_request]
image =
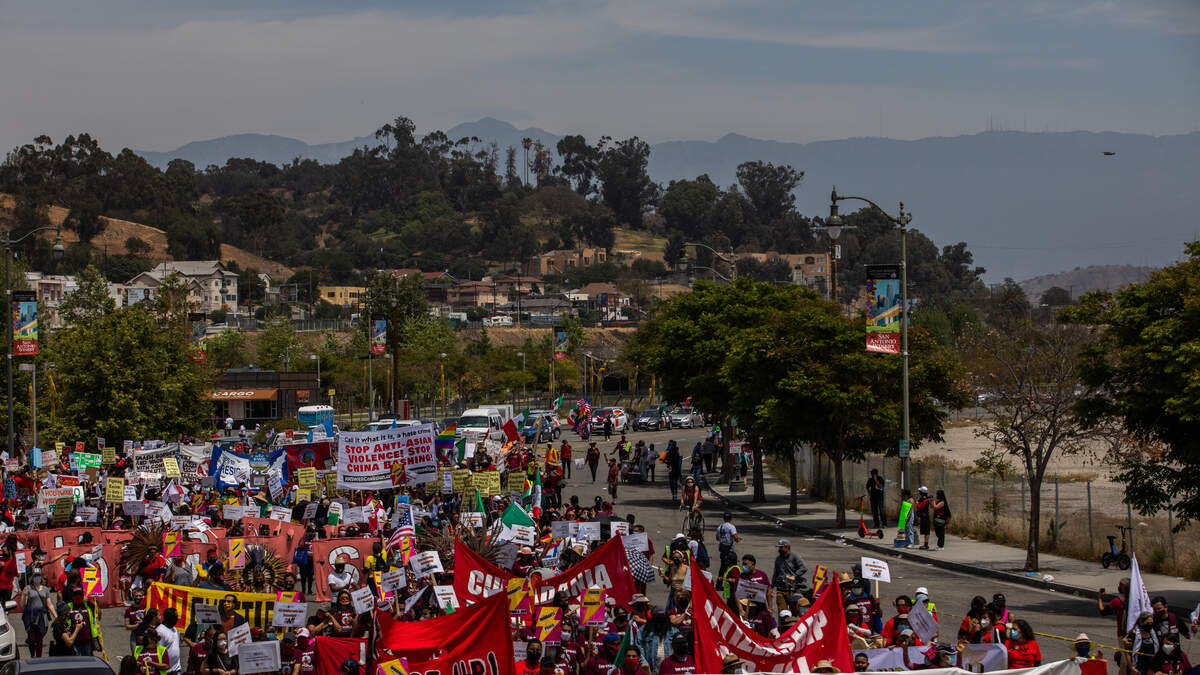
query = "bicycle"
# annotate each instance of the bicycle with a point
(693, 519)
(1112, 555)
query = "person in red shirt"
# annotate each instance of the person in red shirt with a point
(564, 455)
(1023, 649)
(1117, 606)
(893, 626)
(681, 660)
(8, 573)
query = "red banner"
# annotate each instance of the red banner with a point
(107, 564)
(607, 567)
(332, 652)
(284, 538)
(820, 634)
(474, 640)
(301, 455)
(326, 551)
(60, 537)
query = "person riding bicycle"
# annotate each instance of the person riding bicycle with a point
(690, 499)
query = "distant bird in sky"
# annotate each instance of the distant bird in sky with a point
(1109, 153)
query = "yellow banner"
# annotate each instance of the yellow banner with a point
(256, 607)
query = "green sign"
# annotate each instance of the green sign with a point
(86, 460)
(903, 448)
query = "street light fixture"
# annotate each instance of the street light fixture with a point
(57, 251)
(524, 394)
(833, 229)
(902, 222)
(443, 368)
(731, 260)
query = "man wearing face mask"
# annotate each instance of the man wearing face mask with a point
(532, 661)
(893, 626)
(1165, 621)
(601, 663)
(341, 577)
(788, 576)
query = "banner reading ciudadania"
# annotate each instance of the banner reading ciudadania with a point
(25, 323)
(365, 458)
(883, 309)
(378, 336)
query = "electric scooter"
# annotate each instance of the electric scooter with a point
(862, 524)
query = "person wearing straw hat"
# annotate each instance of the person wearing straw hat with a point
(825, 666)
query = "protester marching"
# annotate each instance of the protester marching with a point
(406, 551)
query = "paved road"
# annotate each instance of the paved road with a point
(1047, 612)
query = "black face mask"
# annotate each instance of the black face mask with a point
(339, 567)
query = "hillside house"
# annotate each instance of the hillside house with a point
(210, 286)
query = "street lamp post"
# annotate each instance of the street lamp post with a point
(731, 261)
(317, 358)
(833, 229)
(443, 368)
(57, 251)
(902, 222)
(524, 394)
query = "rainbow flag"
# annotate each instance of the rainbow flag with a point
(443, 443)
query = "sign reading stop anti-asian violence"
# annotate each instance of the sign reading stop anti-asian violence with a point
(365, 458)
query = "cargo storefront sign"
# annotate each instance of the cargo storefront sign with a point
(365, 458)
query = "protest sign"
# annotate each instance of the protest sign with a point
(131, 493)
(170, 467)
(393, 580)
(237, 554)
(62, 509)
(365, 458)
(520, 595)
(752, 590)
(638, 541)
(87, 514)
(471, 518)
(426, 563)
(549, 625)
(446, 597)
(36, 516)
(874, 569)
(108, 456)
(589, 531)
(687, 581)
(207, 615)
(618, 527)
(134, 508)
(281, 513)
(922, 622)
(90, 577)
(591, 608)
(306, 477)
(172, 544)
(461, 479)
(363, 601)
(289, 614)
(515, 481)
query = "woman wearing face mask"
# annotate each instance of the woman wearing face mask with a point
(1170, 659)
(37, 614)
(1023, 649)
(219, 660)
(150, 656)
(993, 631)
(1142, 642)
(971, 628)
(342, 615)
(631, 662)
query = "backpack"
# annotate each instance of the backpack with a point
(300, 556)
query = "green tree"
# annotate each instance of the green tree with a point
(578, 162)
(1145, 368)
(90, 302)
(625, 184)
(126, 374)
(227, 350)
(278, 346)
(687, 206)
(401, 301)
(769, 188)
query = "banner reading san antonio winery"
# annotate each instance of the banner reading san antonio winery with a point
(378, 336)
(365, 458)
(883, 309)
(24, 323)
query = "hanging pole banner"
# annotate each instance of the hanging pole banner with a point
(199, 325)
(24, 323)
(378, 336)
(883, 309)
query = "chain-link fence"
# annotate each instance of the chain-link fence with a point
(1078, 513)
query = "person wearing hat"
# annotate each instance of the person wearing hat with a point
(761, 621)
(602, 661)
(341, 576)
(350, 667)
(523, 562)
(857, 627)
(681, 661)
(921, 507)
(1083, 646)
(731, 664)
(788, 575)
(922, 595)
(824, 666)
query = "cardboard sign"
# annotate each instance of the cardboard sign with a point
(171, 467)
(257, 657)
(922, 622)
(108, 456)
(62, 509)
(591, 608)
(515, 481)
(306, 477)
(393, 580)
(752, 590)
(303, 495)
(207, 615)
(874, 569)
(87, 513)
(426, 563)
(445, 596)
(289, 614)
(363, 600)
(461, 478)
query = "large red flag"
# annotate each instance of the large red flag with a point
(106, 563)
(607, 567)
(473, 640)
(820, 634)
(326, 551)
(332, 652)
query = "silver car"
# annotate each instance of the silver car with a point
(685, 417)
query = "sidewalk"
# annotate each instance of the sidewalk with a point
(962, 555)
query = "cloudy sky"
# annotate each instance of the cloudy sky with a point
(156, 74)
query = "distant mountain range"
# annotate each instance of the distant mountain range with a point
(1027, 204)
(1086, 279)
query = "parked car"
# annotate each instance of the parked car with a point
(620, 419)
(388, 423)
(685, 417)
(653, 418)
(8, 637)
(59, 665)
(537, 429)
(552, 419)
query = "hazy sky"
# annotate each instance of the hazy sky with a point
(156, 74)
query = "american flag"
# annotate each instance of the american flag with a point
(585, 408)
(404, 528)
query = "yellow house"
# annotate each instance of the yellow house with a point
(342, 296)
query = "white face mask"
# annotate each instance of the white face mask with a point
(984, 623)
(1167, 649)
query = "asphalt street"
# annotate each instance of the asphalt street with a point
(1048, 612)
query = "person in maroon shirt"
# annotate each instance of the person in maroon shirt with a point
(681, 660)
(601, 663)
(760, 619)
(1118, 605)
(564, 455)
(631, 662)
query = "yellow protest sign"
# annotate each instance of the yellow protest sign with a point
(516, 481)
(820, 575)
(62, 509)
(462, 479)
(108, 456)
(91, 581)
(492, 483)
(306, 477)
(237, 554)
(330, 483)
(394, 667)
(114, 490)
(549, 625)
(170, 467)
(398, 476)
(303, 495)
(518, 596)
(591, 610)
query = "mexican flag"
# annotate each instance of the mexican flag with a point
(515, 515)
(558, 403)
(512, 428)
(533, 492)
(626, 641)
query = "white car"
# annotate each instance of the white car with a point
(8, 636)
(620, 419)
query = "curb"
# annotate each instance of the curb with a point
(891, 551)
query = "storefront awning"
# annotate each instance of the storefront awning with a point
(244, 395)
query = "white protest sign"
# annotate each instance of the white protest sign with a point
(922, 622)
(280, 513)
(874, 569)
(637, 541)
(393, 580)
(560, 529)
(258, 657)
(751, 589)
(472, 519)
(134, 508)
(520, 649)
(412, 602)
(87, 513)
(207, 615)
(310, 511)
(365, 458)
(589, 531)
(289, 614)
(353, 514)
(445, 596)
(363, 600)
(233, 512)
(523, 534)
(618, 527)
(426, 563)
(131, 493)
(983, 658)
(238, 636)
(181, 522)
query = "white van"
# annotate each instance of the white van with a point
(380, 425)
(499, 321)
(478, 424)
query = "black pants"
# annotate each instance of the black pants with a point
(566, 467)
(940, 531)
(877, 514)
(306, 579)
(593, 468)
